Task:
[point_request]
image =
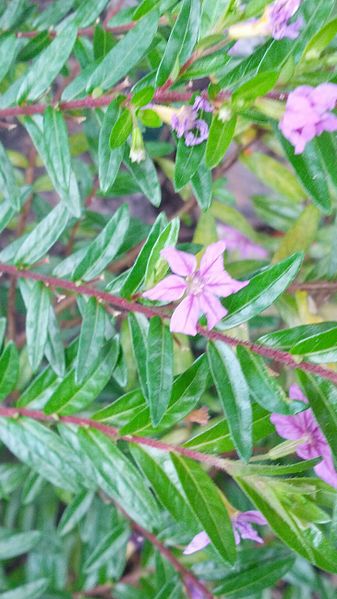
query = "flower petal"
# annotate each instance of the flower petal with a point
(326, 471)
(212, 308)
(288, 427)
(181, 263)
(170, 289)
(185, 317)
(209, 261)
(295, 392)
(198, 542)
(223, 285)
(253, 516)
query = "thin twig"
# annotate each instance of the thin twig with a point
(132, 306)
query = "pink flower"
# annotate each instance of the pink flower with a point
(308, 114)
(303, 426)
(200, 288)
(242, 529)
(186, 122)
(279, 14)
(237, 242)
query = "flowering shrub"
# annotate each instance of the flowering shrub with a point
(168, 336)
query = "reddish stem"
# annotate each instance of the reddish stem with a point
(130, 306)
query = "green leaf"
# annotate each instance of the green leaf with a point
(322, 396)
(54, 350)
(263, 387)
(74, 512)
(57, 146)
(8, 49)
(156, 266)
(109, 160)
(119, 478)
(159, 368)
(253, 578)
(139, 327)
(188, 160)
(9, 369)
(126, 54)
(111, 544)
(219, 139)
(145, 174)
(301, 234)
(103, 42)
(37, 317)
(326, 144)
(320, 40)
(318, 341)
(37, 243)
(121, 129)
(259, 85)
(47, 66)
(7, 180)
(273, 498)
(70, 397)
(233, 394)
(136, 275)
(202, 186)
(104, 248)
(43, 451)
(261, 292)
(91, 339)
(14, 543)
(167, 492)
(310, 170)
(182, 39)
(33, 590)
(208, 505)
(3, 323)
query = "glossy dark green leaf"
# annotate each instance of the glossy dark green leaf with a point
(8, 49)
(14, 543)
(47, 65)
(3, 323)
(143, 96)
(202, 186)
(208, 505)
(119, 478)
(70, 397)
(104, 248)
(273, 498)
(54, 350)
(143, 8)
(327, 147)
(233, 394)
(156, 266)
(167, 492)
(43, 451)
(220, 136)
(139, 328)
(109, 160)
(7, 180)
(37, 243)
(145, 174)
(322, 396)
(74, 512)
(91, 339)
(113, 542)
(318, 341)
(9, 369)
(254, 578)
(137, 272)
(37, 317)
(263, 387)
(159, 368)
(57, 146)
(33, 590)
(259, 85)
(261, 292)
(182, 39)
(126, 54)
(188, 160)
(121, 129)
(103, 42)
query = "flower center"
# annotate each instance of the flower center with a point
(195, 285)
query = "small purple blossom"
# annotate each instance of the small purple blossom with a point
(186, 122)
(237, 242)
(201, 287)
(308, 114)
(242, 529)
(279, 14)
(303, 426)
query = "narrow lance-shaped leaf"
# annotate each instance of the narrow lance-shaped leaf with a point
(74, 512)
(208, 505)
(91, 339)
(188, 160)
(220, 136)
(111, 544)
(9, 369)
(145, 174)
(139, 328)
(54, 350)
(109, 160)
(7, 180)
(159, 368)
(36, 329)
(233, 394)
(202, 186)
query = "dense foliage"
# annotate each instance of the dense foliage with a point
(168, 417)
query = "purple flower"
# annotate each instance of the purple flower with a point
(201, 287)
(308, 114)
(237, 242)
(303, 426)
(279, 14)
(186, 122)
(242, 529)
